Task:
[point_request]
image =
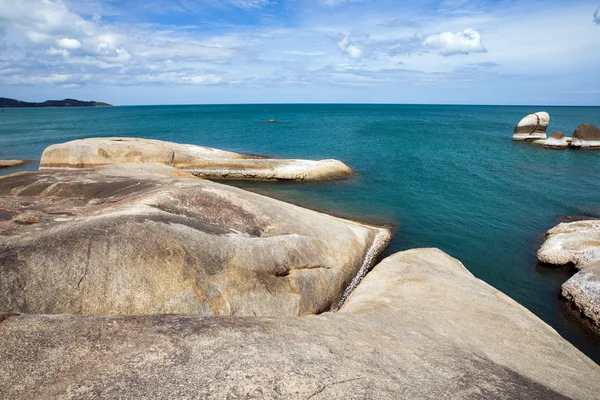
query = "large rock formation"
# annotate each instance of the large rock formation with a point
(532, 127)
(12, 163)
(586, 136)
(419, 326)
(145, 239)
(577, 243)
(196, 160)
(557, 140)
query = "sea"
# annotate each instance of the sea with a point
(444, 176)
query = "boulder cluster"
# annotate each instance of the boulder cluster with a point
(122, 275)
(533, 128)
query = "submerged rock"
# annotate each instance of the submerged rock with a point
(532, 127)
(196, 160)
(145, 239)
(12, 163)
(557, 140)
(577, 243)
(419, 326)
(586, 136)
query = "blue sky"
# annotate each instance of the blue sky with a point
(257, 51)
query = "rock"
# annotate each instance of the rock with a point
(419, 326)
(146, 239)
(557, 140)
(532, 127)
(12, 163)
(196, 160)
(577, 243)
(583, 291)
(586, 136)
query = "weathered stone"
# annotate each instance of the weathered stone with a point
(532, 127)
(196, 160)
(557, 140)
(583, 291)
(539, 142)
(577, 243)
(419, 326)
(586, 136)
(145, 239)
(12, 163)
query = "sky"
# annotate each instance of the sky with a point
(302, 51)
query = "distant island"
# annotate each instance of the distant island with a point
(5, 103)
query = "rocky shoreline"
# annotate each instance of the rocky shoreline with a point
(577, 244)
(123, 276)
(418, 326)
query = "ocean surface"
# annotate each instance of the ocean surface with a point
(440, 176)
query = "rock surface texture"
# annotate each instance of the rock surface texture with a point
(577, 243)
(586, 136)
(196, 160)
(557, 140)
(419, 326)
(12, 163)
(532, 127)
(583, 291)
(146, 239)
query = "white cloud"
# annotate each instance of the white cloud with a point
(37, 31)
(450, 43)
(352, 50)
(70, 44)
(597, 16)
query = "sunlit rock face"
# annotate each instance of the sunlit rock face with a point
(532, 127)
(557, 140)
(419, 326)
(200, 161)
(12, 163)
(148, 239)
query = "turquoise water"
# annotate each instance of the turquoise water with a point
(441, 176)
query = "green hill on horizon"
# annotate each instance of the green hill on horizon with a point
(12, 103)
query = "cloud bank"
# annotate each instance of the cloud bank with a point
(449, 43)
(375, 50)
